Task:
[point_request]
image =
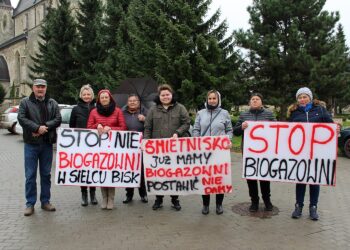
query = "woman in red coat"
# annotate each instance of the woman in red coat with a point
(105, 117)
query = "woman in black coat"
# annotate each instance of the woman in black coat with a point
(78, 119)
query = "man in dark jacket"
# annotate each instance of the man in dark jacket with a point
(39, 116)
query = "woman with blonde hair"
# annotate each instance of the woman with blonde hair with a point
(78, 119)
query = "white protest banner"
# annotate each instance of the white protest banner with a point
(86, 159)
(290, 152)
(188, 165)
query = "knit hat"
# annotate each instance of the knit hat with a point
(304, 90)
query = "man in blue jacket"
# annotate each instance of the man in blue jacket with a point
(39, 116)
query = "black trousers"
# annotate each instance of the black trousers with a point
(254, 193)
(142, 188)
(84, 189)
(173, 197)
(206, 199)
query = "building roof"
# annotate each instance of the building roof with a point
(4, 71)
(13, 40)
(24, 5)
(5, 3)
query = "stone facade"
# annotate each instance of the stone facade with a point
(19, 34)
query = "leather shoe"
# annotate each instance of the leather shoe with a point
(28, 211)
(205, 210)
(144, 199)
(268, 207)
(219, 209)
(127, 200)
(254, 207)
(157, 204)
(93, 198)
(48, 207)
(84, 199)
(176, 205)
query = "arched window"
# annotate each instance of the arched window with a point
(4, 71)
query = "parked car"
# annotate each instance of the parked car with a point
(344, 141)
(65, 111)
(9, 119)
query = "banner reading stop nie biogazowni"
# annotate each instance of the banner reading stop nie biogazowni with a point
(85, 158)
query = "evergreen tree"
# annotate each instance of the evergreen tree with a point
(54, 60)
(286, 43)
(175, 43)
(89, 52)
(330, 76)
(117, 43)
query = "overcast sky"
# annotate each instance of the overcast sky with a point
(235, 12)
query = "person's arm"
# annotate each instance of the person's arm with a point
(121, 121)
(24, 121)
(92, 124)
(326, 116)
(148, 125)
(185, 121)
(228, 126)
(56, 121)
(197, 126)
(237, 130)
(73, 119)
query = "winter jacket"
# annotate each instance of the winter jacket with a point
(252, 115)
(317, 113)
(30, 118)
(115, 120)
(80, 114)
(132, 121)
(205, 122)
(163, 123)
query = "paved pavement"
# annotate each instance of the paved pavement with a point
(137, 226)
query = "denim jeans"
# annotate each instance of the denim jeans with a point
(34, 154)
(314, 193)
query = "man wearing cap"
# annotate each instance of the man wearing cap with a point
(39, 116)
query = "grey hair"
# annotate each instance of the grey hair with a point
(88, 88)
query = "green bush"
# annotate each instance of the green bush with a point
(234, 119)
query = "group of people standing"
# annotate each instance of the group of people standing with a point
(39, 116)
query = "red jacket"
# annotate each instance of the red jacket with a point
(116, 120)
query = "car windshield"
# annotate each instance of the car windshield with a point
(65, 113)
